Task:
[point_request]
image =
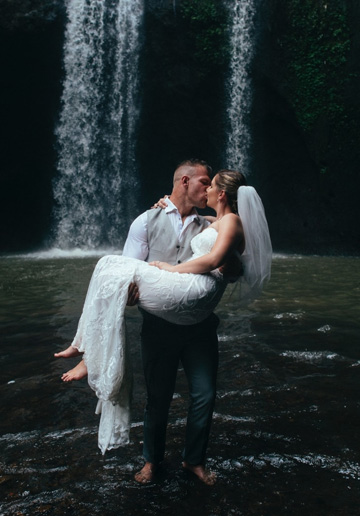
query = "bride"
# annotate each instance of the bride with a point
(236, 239)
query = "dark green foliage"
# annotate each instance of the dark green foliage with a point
(208, 22)
(317, 44)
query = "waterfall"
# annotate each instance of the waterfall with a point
(239, 84)
(97, 184)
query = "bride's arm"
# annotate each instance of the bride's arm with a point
(230, 236)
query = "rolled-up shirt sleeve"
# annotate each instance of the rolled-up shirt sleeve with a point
(136, 245)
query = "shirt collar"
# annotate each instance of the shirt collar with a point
(171, 208)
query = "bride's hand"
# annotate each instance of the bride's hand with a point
(163, 265)
(161, 203)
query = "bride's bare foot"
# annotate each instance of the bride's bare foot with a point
(79, 372)
(146, 474)
(68, 353)
(208, 477)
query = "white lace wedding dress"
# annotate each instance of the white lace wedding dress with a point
(101, 335)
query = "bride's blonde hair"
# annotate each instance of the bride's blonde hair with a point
(230, 181)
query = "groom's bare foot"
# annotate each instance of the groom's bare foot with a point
(79, 372)
(68, 353)
(146, 474)
(208, 477)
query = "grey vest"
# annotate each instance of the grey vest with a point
(163, 242)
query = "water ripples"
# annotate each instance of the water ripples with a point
(286, 427)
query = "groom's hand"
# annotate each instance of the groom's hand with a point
(133, 295)
(163, 265)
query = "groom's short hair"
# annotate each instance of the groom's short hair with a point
(195, 162)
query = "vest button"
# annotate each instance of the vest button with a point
(179, 261)
(177, 247)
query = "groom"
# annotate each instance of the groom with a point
(165, 234)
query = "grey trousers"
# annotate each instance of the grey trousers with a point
(164, 345)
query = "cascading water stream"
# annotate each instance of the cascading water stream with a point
(239, 84)
(96, 189)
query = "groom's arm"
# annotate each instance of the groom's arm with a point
(136, 246)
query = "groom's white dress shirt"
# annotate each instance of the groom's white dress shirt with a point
(136, 245)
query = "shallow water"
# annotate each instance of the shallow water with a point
(286, 426)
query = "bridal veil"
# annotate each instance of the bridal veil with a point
(257, 257)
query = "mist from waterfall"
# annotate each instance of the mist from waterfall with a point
(97, 184)
(241, 15)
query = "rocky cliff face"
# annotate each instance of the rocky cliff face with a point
(31, 35)
(306, 124)
(305, 119)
